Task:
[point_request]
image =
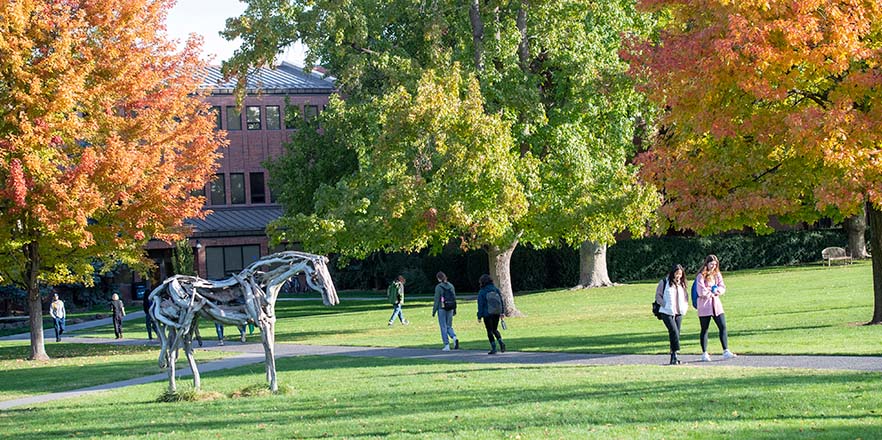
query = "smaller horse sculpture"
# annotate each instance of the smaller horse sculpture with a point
(251, 295)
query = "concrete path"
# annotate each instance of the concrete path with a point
(252, 353)
(49, 333)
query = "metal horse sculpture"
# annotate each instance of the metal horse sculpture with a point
(251, 295)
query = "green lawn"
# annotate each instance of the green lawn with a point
(399, 398)
(803, 310)
(73, 366)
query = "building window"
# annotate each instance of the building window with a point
(252, 117)
(217, 116)
(292, 116)
(258, 193)
(310, 112)
(237, 188)
(234, 118)
(272, 117)
(218, 190)
(221, 262)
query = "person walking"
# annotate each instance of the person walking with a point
(58, 314)
(119, 311)
(445, 307)
(491, 308)
(673, 303)
(148, 318)
(219, 329)
(396, 297)
(710, 286)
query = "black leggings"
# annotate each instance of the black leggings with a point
(673, 325)
(721, 324)
(491, 322)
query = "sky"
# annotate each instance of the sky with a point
(207, 18)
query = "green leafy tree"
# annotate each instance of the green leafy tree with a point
(547, 72)
(183, 259)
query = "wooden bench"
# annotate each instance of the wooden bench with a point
(835, 254)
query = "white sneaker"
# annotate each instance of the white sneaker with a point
(705, 357)
(729, 355)
(446, 347)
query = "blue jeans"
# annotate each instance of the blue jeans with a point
(396, 311)
(58, 323)
(445, 322)
(219, 328)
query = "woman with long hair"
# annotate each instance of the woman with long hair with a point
(710, 286)
(673, 303)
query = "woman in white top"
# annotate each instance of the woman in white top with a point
(673, 303)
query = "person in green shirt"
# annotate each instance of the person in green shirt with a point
(396, 297)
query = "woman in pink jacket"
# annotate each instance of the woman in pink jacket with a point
(710, 286)
(673, 303)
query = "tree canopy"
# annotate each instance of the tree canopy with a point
(102, 139)
(772, 108)
(489, 123)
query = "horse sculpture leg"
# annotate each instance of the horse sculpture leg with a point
(268, 337)
(172, 356)
(188, 350)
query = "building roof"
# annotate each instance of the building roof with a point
(235, 221)
(283, 79)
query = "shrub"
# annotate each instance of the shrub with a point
(627, 260)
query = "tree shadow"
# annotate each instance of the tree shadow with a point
(573, 403)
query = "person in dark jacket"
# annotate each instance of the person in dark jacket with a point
(119, 311)
(148, 318)
(491, 307)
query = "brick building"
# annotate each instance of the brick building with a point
(240, 200)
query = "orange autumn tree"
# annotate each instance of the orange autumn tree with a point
(102, 140)
(772, 108)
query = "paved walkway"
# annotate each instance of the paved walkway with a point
(251, 353)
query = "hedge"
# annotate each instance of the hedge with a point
(627, 260)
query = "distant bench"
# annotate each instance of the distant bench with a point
(832, 254)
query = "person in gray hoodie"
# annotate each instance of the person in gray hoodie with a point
(445, 308)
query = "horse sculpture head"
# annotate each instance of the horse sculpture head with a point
(280, 267)
(320, 279)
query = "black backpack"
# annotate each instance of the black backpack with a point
(448, 298)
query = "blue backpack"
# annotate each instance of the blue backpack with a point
(695, 294)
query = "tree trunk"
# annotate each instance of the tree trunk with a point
(876, 244)
(500, 272)
(592, 266)
(35, 303)
(477, 34)
(856, 226)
